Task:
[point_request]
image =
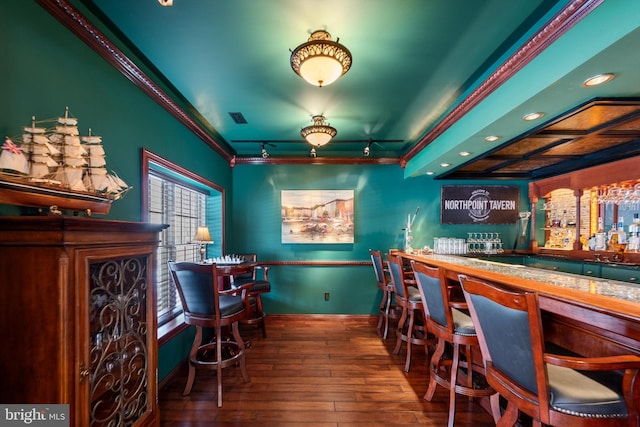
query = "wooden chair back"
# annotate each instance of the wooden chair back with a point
(197, 286)
(378, 268)
(510, 332)
(434, 291)
(395, 265)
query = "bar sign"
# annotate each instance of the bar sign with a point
(471, 204)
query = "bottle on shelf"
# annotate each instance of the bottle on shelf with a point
(563, 220)
(622, 236)
(633, 241)
(568, 240)
(612, 236)
(601, 242)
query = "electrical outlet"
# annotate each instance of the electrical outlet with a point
(326, 296)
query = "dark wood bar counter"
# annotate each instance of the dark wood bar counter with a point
(591, 317)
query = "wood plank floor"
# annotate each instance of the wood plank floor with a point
(326, 371)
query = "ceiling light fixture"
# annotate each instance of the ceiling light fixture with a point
(264, 152)
(321, 61)
(430, 172)
(319, 133)
(464, 153)
(367, 149)
(166, 2)
(445, 165)
(492, 138)
(532, 116)
(598, 79)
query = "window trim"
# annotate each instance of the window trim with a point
(175, 326)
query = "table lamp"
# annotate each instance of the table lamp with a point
(203, 238)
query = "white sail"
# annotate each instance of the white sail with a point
(98, 182)
(33, 129)
(39, 170)
(43, 158)
(96, 162)
(73, 151)
(67, 130)
(68, 121)
(91, 139)
(119, 181)
(29, 138)
(56, 138)
(70, 178)
(75, 161)
(94, 149)
(72, 140)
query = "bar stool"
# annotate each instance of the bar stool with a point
(411, 326)
(387, 309)
(553, 389)
(450, 325)
(258, 286)
(205, 306)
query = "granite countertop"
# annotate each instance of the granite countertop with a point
(611, 288)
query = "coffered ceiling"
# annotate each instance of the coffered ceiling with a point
(430, 79)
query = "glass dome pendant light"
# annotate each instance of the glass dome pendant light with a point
(321, 61)
(319, 133)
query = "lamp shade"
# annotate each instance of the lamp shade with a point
(202, 235)
(320, 61)
(319, 133)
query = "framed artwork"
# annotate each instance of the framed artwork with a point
(317, 216)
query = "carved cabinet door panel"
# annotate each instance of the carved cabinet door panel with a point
(117, 337)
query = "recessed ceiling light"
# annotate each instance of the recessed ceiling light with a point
(532, 116)
(445, 165)
(492, 138)
(464, 153)
(598, 80)
(430, 172)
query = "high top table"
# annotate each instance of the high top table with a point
(586, 315)
(225, 271)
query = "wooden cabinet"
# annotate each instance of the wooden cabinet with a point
(78, 317)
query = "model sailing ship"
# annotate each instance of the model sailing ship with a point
(56, 168)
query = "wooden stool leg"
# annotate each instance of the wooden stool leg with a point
(219, 366)
(387, 311)
(260, 314)
(510, 417)
(469, 354)
(192, 357)
(452, 384)
(433, 366)
(400, 330)
(412, 319)
(381, 313)
(241, 348)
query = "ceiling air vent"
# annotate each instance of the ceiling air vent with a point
(238, 118)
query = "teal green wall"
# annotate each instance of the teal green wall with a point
(383, 199)
(44, 68)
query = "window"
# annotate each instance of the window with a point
(185, 201)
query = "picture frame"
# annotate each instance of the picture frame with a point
(317, 216)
